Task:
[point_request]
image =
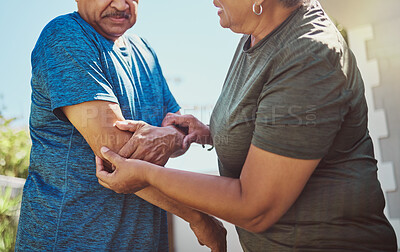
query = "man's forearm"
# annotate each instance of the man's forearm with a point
(208, 230)
(157, 198)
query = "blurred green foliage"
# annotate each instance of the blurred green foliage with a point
(341, 29)
(8, 220)
(14, 161)
(14, 150)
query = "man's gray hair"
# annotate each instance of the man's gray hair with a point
(290, 3)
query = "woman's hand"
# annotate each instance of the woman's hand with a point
(128, 175)
(197, 131)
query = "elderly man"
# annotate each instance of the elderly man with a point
(86, 75)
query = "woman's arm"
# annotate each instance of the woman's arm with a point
(95, 120)
(269, 184)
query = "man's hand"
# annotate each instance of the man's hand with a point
(197, 131)
(150, 143)
(211, 233)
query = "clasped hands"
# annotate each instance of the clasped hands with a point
(147, 143)
(150, 143)
(149, 146)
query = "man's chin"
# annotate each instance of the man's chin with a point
(114, 35)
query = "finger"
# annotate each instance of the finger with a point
(100, 165)
(170, 119)
(129, 148)
(111, 156)
(138, 154)
(128, 125)
(103, 176)
(104, 184)
(161, 161)
(189, 139)
(177, 120)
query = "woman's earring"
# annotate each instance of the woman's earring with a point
(254, 10)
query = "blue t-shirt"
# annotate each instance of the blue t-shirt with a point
(64, 208)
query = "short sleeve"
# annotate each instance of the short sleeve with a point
(170, 104)
(72, 66)
(301, 109)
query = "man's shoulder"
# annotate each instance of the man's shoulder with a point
(65, 27)
(67, 21)
(66, 30)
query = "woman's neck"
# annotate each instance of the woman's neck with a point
(270, 19)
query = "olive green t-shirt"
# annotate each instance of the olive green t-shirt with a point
(298, 93)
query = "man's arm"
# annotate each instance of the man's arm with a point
(95, 120)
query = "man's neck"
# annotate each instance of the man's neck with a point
(120, 42)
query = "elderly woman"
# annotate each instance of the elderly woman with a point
(297, 166)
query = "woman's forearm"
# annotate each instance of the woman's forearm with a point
(218, 196)
(254, 202)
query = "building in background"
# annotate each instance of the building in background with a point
(374, 37)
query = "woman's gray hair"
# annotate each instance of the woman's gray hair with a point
(290, 3)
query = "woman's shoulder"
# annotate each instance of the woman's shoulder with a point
(310, 32)
(326, 44)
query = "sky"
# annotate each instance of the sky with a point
(193, 50)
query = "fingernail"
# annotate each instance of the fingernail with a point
(122, 123)
(104, 149)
